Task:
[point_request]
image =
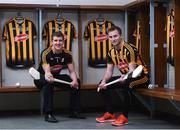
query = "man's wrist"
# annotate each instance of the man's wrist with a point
(103, 81)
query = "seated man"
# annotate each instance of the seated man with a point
(53, 59)
(126, 58)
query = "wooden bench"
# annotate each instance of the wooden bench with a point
(165, 93)
(18, 89)
(171, 95)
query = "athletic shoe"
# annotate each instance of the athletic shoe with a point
(107, 117)
(50, 118)
(121, 120)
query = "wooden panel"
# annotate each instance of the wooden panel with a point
(164, 93)
(0, 55)
(177, 45)
(145, 31)
(141, 14)
(20, 89)
(80, 37)
(131, 26)
(160, 51)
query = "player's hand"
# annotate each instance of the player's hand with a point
(121, 79)
(49, 77)
(102, 85)
(74, 84)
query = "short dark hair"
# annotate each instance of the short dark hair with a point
(115, 28)
(57, 34)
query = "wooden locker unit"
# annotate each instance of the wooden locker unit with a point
(177, 45)
(140, 13)
(145, 31)
(160, 50)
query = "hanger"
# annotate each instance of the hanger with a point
(100, 19)
(59, 18)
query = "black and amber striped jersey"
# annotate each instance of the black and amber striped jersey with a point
(56, 61)
(66, 27)
(98, 42)
(19, 36)
(121, 58)
(170, 38)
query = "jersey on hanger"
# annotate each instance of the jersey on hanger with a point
(66, 27)
(170, 38)
(19, 43)
(98, 42)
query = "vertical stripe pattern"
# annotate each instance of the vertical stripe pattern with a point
(98, 42)
(19, 43)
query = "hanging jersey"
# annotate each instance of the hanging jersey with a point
(98, 42)
(137, 35)
(170, 38)
(19, 43)
(56, 61)
(121, 58)
(66, 27)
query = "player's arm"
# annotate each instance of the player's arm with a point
(46, 67)
(73, 75)
(48, 75)
(107, 75)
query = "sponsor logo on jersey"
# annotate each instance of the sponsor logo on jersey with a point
(21, 37)
(56, 68)
(122, 65)
(101, 37)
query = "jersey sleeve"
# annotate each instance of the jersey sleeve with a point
(74, 33)
(5, 32)
(44, 58)
(132, 54)
(34, 30)
(69, 59)
(86, 32)
(44, 32)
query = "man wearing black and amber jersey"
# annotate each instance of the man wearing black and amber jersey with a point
(65, 26)
(126, 58)
(52, 61)
(98, 43)
(19, 36)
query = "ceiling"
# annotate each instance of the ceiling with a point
(72, 2)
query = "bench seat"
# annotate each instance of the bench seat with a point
(171, 95)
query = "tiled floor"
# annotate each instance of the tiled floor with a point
(35, 121)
